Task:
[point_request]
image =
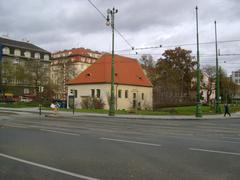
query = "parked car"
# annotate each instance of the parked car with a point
(25, 99)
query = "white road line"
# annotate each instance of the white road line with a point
(127, 141)
(59, 132)
(231, 138)
(15, 126)
(213, 151)
(47, 167)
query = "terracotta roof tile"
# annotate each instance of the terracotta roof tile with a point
(127, 71)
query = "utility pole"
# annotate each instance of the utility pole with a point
(217, 89)
(198, 106)
(110, 21)
(1, 87)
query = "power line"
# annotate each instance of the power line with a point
(100, 12)
(201, 55)
(119, 33)
(177, 45)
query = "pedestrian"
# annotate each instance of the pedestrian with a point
(53, 107)
(226, 110)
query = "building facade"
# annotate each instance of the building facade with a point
(67, 64)
(236, 77)
(132, 87)
(21, 63)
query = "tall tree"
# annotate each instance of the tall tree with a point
(148, 64)
(228, 89)
(179, 67)
(210, 85)
(37, 74)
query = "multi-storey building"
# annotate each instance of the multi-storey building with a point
(21, 67)
(236, 76)
(67, 64)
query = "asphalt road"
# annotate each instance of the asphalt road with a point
(41, 148)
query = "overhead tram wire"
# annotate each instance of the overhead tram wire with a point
(177, 45)
(119, 33)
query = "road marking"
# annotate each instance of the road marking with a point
(127, 141)
(231, 138)
(47, 167)
(59, 132)
(15, 126)
(213, 151)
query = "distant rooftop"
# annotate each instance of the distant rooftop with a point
(21, 44)
(81, 51)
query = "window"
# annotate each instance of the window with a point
(142, 96)
(46, 57)
(134, 95)
(75, 93)
(126, 93)
(119, 93)
(82, 66)
(37, 55)
(98, 93)
(17, 52)
(27, 54)
(92, 93)
(6, 50)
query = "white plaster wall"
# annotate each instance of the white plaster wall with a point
(121, 103)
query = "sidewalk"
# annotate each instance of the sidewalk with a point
(63, 114)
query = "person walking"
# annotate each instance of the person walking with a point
(54, 108)
(226, 110)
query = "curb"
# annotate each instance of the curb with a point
(50, 114)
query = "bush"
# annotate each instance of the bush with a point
(92, 103)
(86, 103)
(98, 103)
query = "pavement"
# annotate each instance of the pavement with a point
(94, 147)
(64, 114)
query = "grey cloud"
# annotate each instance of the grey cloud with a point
(59, 24)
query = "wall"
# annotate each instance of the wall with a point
(121, 103)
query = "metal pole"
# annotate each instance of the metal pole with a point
(112, 100)
(73, 105)
(198, 106)
(1, 87)
(40, 109)
(217, 107)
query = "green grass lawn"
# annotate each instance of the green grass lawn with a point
(184, 110)
(19, 104)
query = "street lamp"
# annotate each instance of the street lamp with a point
(198, 106)
(217, 89)
(110, 21)
(71, 100)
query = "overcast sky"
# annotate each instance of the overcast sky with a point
(62, 24)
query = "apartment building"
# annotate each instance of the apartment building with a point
(21, 63)
(67, 64)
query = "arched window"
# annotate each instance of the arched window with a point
(17, 52)
(37, 55)
(27, 54)
(6, 50)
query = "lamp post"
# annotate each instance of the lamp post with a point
(198, 106)
(217, 89)
(71, 99)
(110, 21)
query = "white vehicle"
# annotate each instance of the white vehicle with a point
(25, 99)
